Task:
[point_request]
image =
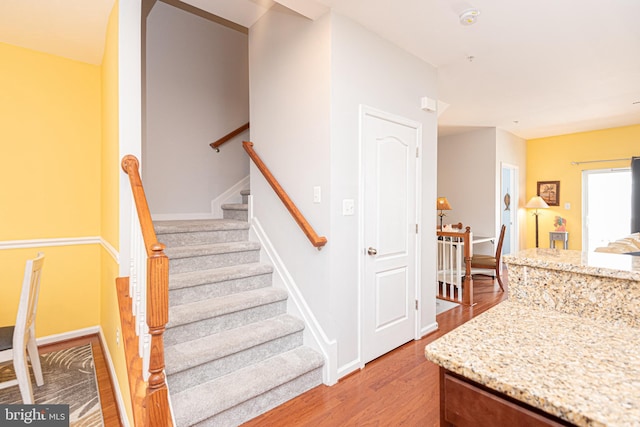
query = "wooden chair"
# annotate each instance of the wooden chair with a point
(18, 340)
(490, 262)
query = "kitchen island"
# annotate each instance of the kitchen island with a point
(564, 348)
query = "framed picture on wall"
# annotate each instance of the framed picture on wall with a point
(550, 192)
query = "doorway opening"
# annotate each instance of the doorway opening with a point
(606, 199)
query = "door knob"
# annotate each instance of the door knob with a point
(372, 251)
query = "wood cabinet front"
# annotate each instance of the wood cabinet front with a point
(464, 403)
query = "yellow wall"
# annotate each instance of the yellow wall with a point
(109, 310)
(50, 134)
(549, 159)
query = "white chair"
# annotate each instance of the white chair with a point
(19, 339)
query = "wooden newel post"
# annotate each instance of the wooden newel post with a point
(156, 402)
(157, 317)
(467, 284)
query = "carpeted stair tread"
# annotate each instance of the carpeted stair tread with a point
(236, 206)
(210, 249)
(213, 307)
(206, 400)
(195, 225)
(186, 355)
(216, 275)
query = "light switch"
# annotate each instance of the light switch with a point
(348, 207)
(317, 194)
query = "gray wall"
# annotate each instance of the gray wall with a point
(308, 79)
(197, 91)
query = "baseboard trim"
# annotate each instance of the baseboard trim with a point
(426, 330)
(349, 368)
(231, 195)
(50, 339)
(316, 336)
(115, 385)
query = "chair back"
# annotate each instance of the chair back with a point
(25, 320)
(503, 229)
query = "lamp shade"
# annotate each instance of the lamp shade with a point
(536, 202)
(443, 204)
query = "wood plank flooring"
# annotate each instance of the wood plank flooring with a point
(399, 388)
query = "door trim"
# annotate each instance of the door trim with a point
(365, 110)
(514, 243)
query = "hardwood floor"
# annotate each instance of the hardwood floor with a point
(399, 388)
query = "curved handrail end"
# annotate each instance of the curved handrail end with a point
(129, 160)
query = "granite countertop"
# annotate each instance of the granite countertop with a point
(581, 370)
(593, 263)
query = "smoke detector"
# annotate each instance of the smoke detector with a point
(469, 16)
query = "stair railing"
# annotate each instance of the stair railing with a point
(150, 305)
(317, 241)
(216, 144)
(454, 265)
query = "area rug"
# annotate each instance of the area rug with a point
(69, 378)
(444, 305)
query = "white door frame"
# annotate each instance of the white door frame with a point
(515, 197)
(366, 110)
(585, 200)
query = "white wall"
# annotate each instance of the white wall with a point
(289, 103)
(307, 81)
(369, 70)
(467, 178)
(197, 91)
(469, 174)
(512, 149)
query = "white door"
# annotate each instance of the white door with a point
(389, 147)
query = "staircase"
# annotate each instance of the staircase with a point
(231, 351)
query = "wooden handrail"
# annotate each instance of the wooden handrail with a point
(156, 400)
(316, 241)
(216, 144)
(467, 284)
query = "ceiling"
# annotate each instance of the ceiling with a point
(535, 69)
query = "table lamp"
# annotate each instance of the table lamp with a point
(536, 202)
(443, 205)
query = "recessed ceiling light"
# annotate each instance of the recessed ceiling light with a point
(469, 16)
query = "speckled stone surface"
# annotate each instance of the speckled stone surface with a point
(592, 263)
(582, 370)
(599, 286)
